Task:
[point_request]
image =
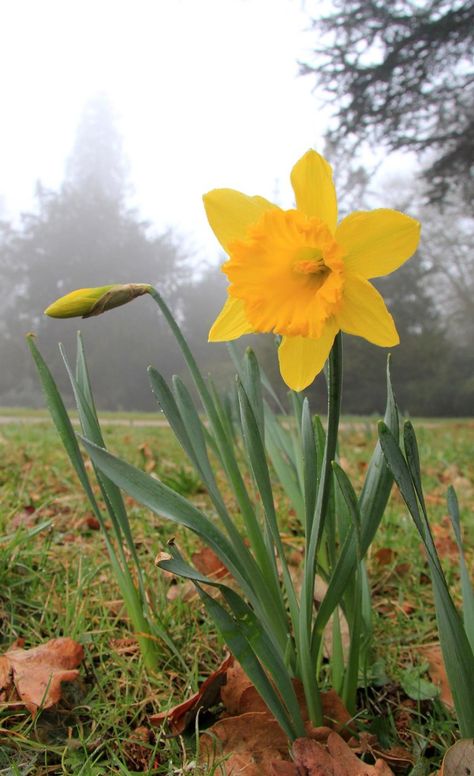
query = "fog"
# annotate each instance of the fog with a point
(118, 117)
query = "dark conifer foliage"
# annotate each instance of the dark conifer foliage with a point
(401, 74)
(80, 236)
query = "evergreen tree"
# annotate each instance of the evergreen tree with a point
(400, 75)
(82, 236)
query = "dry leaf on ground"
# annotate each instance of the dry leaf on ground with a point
(33, 677)
(459, 759)
(138, 750)
(182, 715)
(239, 696)
(437, 672)
(336, 759)
(252, 742)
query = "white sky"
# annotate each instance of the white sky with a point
(206, 91)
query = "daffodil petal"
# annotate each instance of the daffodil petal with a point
(230, 323)
(378, 241)
(230, 213)
(363, 313)
(311, 178)
(301, 358)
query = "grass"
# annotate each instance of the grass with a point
(59, 583)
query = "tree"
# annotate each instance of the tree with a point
(447, 249)
(400, 74)
(84, 235)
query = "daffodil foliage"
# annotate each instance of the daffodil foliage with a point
(300, 274)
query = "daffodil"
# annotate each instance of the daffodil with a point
(300, 274)
(87, 302)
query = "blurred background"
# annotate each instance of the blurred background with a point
(117, 117)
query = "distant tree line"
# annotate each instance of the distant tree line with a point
(85, 234)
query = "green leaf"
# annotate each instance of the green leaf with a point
(466, 585)
(165, 502)
(352, 504)
(250, 629)
(372, 502)
(310, 470)
(63, 424)
(416, 687)
(457, 652)
(258, 462)
(253, 388)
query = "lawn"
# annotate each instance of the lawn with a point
(58, 582)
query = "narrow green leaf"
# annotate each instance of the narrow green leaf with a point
(466, 585)
(372, 502)
(251, 629)
(413, 460)
(168, 504)
(62, 422)
(401, 473)
(310, 471)
(165, 502)
(253, 388)
(112, 496)
(82, 375)
(351, 502)
(457, 652)
(256, 453)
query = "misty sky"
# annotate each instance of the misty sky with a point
(207, 94)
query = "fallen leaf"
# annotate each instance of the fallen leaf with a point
(239, 696)
(92, 523)
(26, 518)
(444, 539)
(437, 672)
(207, 562)
(34, 676)
(138, 751)
(384, 556)
(148, 457)
(253, 741)
(459, 759)
(181, 716)
(314, 758)
(345, 758)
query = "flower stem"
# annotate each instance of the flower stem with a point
(308, 668)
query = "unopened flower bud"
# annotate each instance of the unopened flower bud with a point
(87, 302)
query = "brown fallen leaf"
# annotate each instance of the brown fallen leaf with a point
(437, 672)
(384, 556)
(459, 759)
(138, 750)
(34, 676)
(313, 758)
(444, 539)
(252, 741)
(343, 755)
(207, 562)
(182, 715)
(239, 696)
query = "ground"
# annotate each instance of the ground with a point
(58, 582)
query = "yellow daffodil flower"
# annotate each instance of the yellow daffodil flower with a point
(300, 274)
(87, 302)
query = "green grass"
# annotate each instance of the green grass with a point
(59, 583)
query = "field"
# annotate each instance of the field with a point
(58, 582)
